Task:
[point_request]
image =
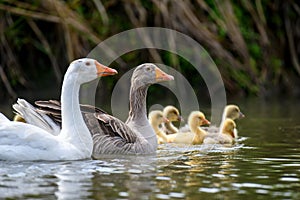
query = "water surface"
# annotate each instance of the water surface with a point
(264, 164)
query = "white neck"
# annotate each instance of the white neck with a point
(74, 129)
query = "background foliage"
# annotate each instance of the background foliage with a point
(255, 44)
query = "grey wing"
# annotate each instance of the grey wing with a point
(112, 136)
(91, 109)
(52, 108)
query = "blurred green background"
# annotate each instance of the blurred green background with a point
(255, 44)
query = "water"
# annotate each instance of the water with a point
(264, 164)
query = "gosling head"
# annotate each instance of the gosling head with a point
(156, 118)
(233, 112)
(229, 127)
(197, 118)
(172, 114)
(147, 74)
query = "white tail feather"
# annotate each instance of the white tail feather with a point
(32, 116)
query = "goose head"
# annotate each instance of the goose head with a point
(147, 74)
(87, 69)
(233, 112)
(229, 127)
(196, 119)
(156, 118)
(172, 114)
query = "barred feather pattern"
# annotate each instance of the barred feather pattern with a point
(110, 135)
(137, 103)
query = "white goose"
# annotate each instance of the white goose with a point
(21, 141)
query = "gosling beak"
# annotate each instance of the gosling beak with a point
(206, 122)
(180, 119)
(165, 120)
(162, 76)
(232, 134)
(104, 71)
(241, 115)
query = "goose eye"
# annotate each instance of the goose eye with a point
(148, 68)
(87, 63)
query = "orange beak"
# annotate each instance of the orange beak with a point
(206, 122)
(104, 71)
(165, 120)
(162, 76)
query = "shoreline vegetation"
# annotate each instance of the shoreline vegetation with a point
(255, 44)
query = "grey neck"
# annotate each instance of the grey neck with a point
(137, 112)
(137, 118)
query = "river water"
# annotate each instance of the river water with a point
(264, 164)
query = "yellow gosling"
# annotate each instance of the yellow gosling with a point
(196, 134)
(227, 135)
(232, 112)
(173, 115)
(156, 118)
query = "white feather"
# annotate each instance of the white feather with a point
(31, 116)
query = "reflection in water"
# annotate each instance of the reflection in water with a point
(74, 181)
(208, 171)
(127, 177)
(264, 164)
